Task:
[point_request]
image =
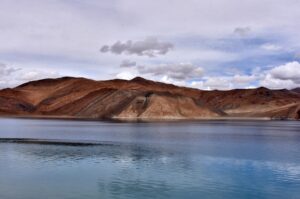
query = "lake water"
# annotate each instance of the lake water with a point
(205, 159)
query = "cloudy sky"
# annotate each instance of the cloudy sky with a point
(207, 44)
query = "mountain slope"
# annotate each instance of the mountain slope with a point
(296, 90)
(144, 99)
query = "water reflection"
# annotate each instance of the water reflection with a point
(166, 161)
(133, 171)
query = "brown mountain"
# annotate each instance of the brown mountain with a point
(139, 98)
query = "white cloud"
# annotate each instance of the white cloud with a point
(271, 47)
(213, 83)
(126, 75)
(221, 83)
(243, 79)
(270, 82)
(283, 76)
(279, 77)
(181, 71)
(168, 80)
(10, 76)
(6, 75)
(6, 71)
(224, 82)
(288, 71)
(36, 75)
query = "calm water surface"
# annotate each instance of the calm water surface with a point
(207, 159)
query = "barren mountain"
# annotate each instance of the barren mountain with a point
(139, 98)
(297, 90)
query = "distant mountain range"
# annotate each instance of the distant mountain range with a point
(70, 97)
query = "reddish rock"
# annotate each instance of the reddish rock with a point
(143, 99)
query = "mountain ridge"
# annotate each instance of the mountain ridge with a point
(139, 98)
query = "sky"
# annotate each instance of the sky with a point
(207, 44)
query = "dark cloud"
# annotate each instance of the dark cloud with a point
(127, 63)
(149, 47)
(104, 49)
(242, 31)
(181, 71)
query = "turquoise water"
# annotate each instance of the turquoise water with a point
(208, 159)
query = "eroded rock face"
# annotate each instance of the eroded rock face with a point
(295, 112)
(165, 106)
(141, 98)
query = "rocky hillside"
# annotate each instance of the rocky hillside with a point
(140, 98)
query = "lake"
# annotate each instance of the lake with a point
(191, 159)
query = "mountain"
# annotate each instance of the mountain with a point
(297, 90)
(70, 97)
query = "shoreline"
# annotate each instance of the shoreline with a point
(136, 120)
